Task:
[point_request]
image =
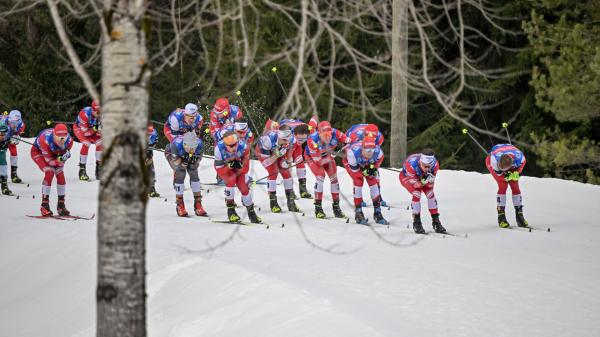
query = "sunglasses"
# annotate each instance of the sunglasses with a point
(369, 150)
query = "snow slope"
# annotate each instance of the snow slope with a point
(323, 278)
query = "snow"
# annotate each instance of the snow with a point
(329, 279)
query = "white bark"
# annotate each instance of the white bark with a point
(121, 295)
(399, 83)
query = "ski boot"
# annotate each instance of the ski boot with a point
(502, 222)
(98, 167)
(198, 209)
(180, 208)
(82, 174)
(359, 216)
(521, 222)
(337, 211)
(319, 213)
(232, 216)
(4, 185)
(437, 225)
(303, 191)
(291, 204)
(417, 225)
(274, 205)
(153, 193)
(60, 206)
(45, 207)
(13, 175)
(379, 217)
(252, 215)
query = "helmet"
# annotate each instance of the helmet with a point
(241, 126)
(190, 140)
(230, 138)
(324, 126)
(14, 117)
(3, 127)
(284, 133)
(95, 106)
(221, 106)
(369, 143)
(191, 109)
(371, 130)
(60, 130)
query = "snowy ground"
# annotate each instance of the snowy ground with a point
(279, 282)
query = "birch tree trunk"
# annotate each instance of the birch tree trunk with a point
(121, 288)
(399, 82)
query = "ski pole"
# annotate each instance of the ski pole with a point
(157, 122)
(239, 95)
(22, 140)
(265, 177)
(505, 127)
(274, 70)
(465, 131)
(58, 122)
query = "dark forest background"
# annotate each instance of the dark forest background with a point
(552, 102)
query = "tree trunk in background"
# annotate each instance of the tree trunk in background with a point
(399, 83)
(121, 288)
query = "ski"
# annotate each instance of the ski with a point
(449, 234)
(243, 223)
(55, 217)
(528, 229)
(77, 217)
(62, 217)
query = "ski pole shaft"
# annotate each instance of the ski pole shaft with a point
(274, 70)
(157, 122)
(466, 132)
(239, 95)
(22, 140)
(58, 122)
(505, 127)
(265, 177)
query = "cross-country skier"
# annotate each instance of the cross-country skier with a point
(152, 141)
(357, 133)
(87, 129)
(5, 140)
(274, 150)
(223, 113)
(418, 176)
(17, 127)
(232, 162)
(320, 151)
(184, 154)
(182, 121)
(506, 162)
(362, 162)
(50, 151)
(300, 130)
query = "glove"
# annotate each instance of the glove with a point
(235, 164)
(285, 164)
(64, 157)
(14, 140)
(370, 171)
(429, 179)
(511, 176)
(192, 160)
(280, 152)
